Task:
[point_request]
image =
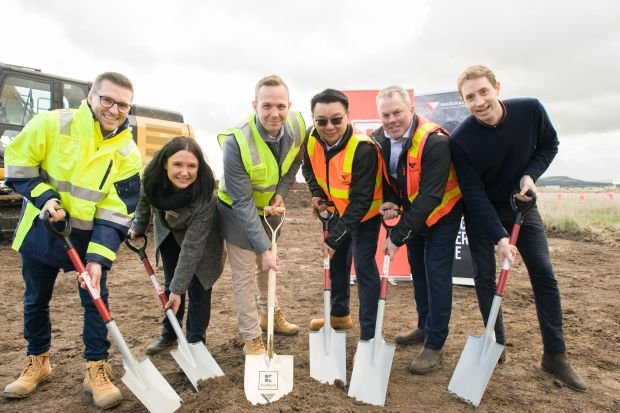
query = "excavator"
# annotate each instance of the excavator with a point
(26, 91)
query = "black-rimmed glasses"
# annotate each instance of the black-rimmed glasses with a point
(108, 102)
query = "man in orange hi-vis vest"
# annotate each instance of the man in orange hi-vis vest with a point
(344, 167)
(423, 182)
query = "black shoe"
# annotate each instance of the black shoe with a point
(160, 343)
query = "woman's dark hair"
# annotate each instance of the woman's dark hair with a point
(155, 174)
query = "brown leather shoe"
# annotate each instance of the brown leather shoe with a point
(36, 370)
(338, 323)
(254, 347)
(427, 361)
(408, 338)
(559, 365)
(160, 344)
(280, 325)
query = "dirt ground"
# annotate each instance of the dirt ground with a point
(588, 274)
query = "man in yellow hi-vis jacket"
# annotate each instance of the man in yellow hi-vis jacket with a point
(85, 162)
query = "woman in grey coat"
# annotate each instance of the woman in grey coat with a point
(177, 188)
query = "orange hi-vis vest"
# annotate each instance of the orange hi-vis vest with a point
(334, 176)
(452, 193)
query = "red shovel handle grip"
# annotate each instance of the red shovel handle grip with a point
(141, 251)
(326, 217)
(520, 208)
(77, 261)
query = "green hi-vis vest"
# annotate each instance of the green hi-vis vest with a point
(258, 160)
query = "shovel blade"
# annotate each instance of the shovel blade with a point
(265, 380)
(474, 369)
(371, 371)
(199, 364)
(328, 355)
(150, 387)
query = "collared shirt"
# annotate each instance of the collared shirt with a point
(272, 142)
(329, 147)
(396, 148)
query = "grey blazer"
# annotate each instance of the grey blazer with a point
(196, 229)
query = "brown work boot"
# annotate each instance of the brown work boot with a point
(408, 338)
(98, 382)
(254, 347)
(558, 365)
(338, 323)
(280, 325)
(426, 362)
(36, 370)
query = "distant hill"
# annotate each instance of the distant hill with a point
(566, 181)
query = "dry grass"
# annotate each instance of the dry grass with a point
(581, 215)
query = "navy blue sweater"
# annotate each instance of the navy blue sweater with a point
(490, 160)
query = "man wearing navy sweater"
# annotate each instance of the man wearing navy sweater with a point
(504, 147)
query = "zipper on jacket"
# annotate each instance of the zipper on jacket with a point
(107, 172)
(327, 173)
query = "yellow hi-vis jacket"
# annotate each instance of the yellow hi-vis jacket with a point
(258, 160)
(62, 154)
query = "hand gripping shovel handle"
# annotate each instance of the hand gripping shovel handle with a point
(386, 258)
(77, 262)
(326, 217)
(520, 208)
(271, 289)
(142, 378)
(141, 251)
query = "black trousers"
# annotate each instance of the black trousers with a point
(431, 256)
(534, 249)
(199, 311)
(362, 247)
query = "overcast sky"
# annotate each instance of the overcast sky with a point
(203, 58)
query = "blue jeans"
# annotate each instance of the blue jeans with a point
(199, 311)
(431, 255)
(39, 279)
(533, 247)
(362, 246)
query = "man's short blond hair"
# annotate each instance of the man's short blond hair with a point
(271, 80)
(114, 77)
(476, 72)
(390, 91)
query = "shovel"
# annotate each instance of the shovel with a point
(142, 378)
(373, 358)
(195, 360)
(481, 353)
(269, 376)
(328, 347)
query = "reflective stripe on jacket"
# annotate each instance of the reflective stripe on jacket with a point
(258, 160)
(62, 154)
(452, 192)
(334, 176)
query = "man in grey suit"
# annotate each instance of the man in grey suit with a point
(261, 158)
